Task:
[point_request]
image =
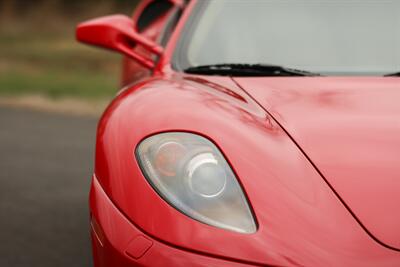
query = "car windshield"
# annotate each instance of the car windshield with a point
(329, 37)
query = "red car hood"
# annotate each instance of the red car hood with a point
(350, 130)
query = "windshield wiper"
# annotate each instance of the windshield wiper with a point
(248, 70)
(392, 74)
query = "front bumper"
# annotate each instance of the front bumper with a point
(118, 242)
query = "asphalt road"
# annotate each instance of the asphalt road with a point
(45, 165)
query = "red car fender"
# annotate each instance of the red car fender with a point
(297, 212)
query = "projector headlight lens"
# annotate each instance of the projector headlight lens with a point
(191, 174)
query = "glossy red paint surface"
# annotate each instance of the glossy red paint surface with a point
(350, 128)
(132, 71)
(291, 201)
(117, 248)
(116, 32)
(283, 137)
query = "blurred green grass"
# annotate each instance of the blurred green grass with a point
(39, 55)
(55, 67)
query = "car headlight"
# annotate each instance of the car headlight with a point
(191, 174)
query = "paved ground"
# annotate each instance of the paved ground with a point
(45, 167)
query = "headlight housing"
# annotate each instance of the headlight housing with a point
(190, 173)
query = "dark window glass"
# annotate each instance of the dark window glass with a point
(152, 12)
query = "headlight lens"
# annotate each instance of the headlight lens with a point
(192, 175)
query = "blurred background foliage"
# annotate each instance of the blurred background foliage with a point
(39, 54)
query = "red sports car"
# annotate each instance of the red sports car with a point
(250, 133)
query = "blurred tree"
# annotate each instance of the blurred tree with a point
(17, 8)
